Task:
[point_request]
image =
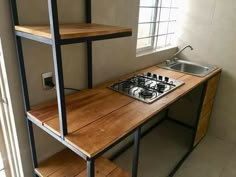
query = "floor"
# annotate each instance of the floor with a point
(164, 146)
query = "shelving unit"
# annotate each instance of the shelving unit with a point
(73, 162)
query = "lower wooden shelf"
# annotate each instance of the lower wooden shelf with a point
(68, 164)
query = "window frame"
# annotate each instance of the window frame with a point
(155, 24)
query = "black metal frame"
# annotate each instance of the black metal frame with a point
(138, 136)
(24, 83)
(73, 40)
(88, 10)
(191, 147)
(57, 59)
(136, 152)
(180, 123)
(56, 43)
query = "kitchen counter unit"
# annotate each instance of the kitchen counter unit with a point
(99, 117)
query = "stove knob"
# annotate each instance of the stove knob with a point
(167, 79)
(160, 78)
(160, 88)
(149, 74)
(154, 76)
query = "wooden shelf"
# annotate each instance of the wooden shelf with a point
(99, 117)
(73, 31)
(68, 164)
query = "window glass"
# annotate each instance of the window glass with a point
(147, 2)
(146, 15)
(157, 23)
(161, 41)
(162, 28)
(166, 3)
(172, 27)
(145, 30)
(144, 43)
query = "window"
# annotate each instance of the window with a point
(157, 24)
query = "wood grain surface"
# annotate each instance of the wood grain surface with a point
(205, 115)
(68, 164)
(68, 31)
(99, 117)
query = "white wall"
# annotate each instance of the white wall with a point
(210, 27)
(14, 84)
(112, 58)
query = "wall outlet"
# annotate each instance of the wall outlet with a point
(47, 80)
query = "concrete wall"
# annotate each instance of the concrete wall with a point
(112, 58)
(209, 26)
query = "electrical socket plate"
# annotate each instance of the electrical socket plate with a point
(44, 76)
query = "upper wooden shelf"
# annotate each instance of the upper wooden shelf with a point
(74, 31)
(68, 164)
(99, 117)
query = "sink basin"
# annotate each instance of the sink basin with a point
(188, 67)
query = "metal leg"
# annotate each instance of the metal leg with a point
(21, 63)
(191, 147)
(90, 168)
(57, 59)
(20, 56)
(136, 152)
(88, 11)
(22, 73)
(36, 175)
(88, 7)
(90, 64)
(32, 143)
(58, 68)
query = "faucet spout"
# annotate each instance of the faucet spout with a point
(181, 50)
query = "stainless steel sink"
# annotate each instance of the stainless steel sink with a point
(188, 67)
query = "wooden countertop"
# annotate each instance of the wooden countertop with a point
(99, 117)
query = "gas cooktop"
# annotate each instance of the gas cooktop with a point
(146, 87)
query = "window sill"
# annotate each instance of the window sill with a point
(152, 51)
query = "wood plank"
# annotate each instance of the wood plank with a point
(49, 110)
(118, 172)
(68, 31)
(202, 128)
(207, 107)
(89, 113)
(99, 107)
(95, 137)
(212, 86)
(68, 164)
(71, 167)
(103, 167)
(54, 163)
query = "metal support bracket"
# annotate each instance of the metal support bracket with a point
(90, 168)
(137, 136)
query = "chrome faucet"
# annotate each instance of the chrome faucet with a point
(188, 46)
(173, 58)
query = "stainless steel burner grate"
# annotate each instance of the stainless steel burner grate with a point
(146, 87)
